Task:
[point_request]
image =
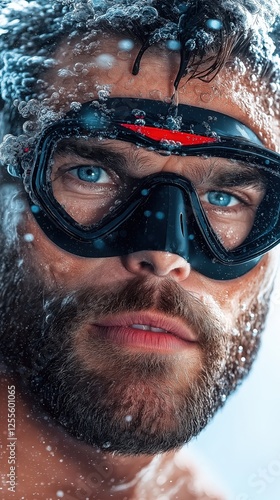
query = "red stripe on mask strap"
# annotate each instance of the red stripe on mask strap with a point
(159, 134)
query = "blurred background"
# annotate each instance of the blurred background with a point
(241, 446)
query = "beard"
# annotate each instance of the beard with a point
(101, 393)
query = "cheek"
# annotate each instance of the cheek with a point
(61, 269)
(259, 282)
(237, 296)
(52, 263)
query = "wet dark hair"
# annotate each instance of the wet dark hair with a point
(208, 33)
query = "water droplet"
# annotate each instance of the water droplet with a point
(124, 55)
(81, 87)
(206, 97)
(145, 192)
(161, 479)
(105, 61)
(174, 123)
(156, 95)
(35, 209)
(126, 44)
(173, 44)
(64, 72)
(243, 359)
(138, 113)
(128, 418)
(75, 106)
(29, 127)
(240, 348)
(78, 67)
(129, 83)
(60, 494)
(223, 398)
(165, 143)
(214, 24)
(103, 94)
(28, 237)
(235, 332)
(160, 215)
(99, 244)
(106, 445)
(147, 213)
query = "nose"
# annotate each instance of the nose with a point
(160, 264)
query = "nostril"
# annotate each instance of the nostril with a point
(146, 266)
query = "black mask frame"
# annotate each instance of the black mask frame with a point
(184, 229)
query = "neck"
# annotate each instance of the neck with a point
(38, 449)
(40, 457)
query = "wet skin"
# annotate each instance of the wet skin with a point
(236, 97)
(68, 272)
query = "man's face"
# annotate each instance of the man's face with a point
(132, 353)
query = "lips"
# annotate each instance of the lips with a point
(146, 329)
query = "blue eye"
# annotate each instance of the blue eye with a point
(90, 173)
(220, 199)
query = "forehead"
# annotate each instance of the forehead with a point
(103, 66)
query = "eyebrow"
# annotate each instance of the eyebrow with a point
(249, 177)
(101, 153)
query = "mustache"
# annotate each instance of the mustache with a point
(139, 294)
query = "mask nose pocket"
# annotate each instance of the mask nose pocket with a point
(160, 222)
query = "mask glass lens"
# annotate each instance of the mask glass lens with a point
(231, 195)
(84, 180)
